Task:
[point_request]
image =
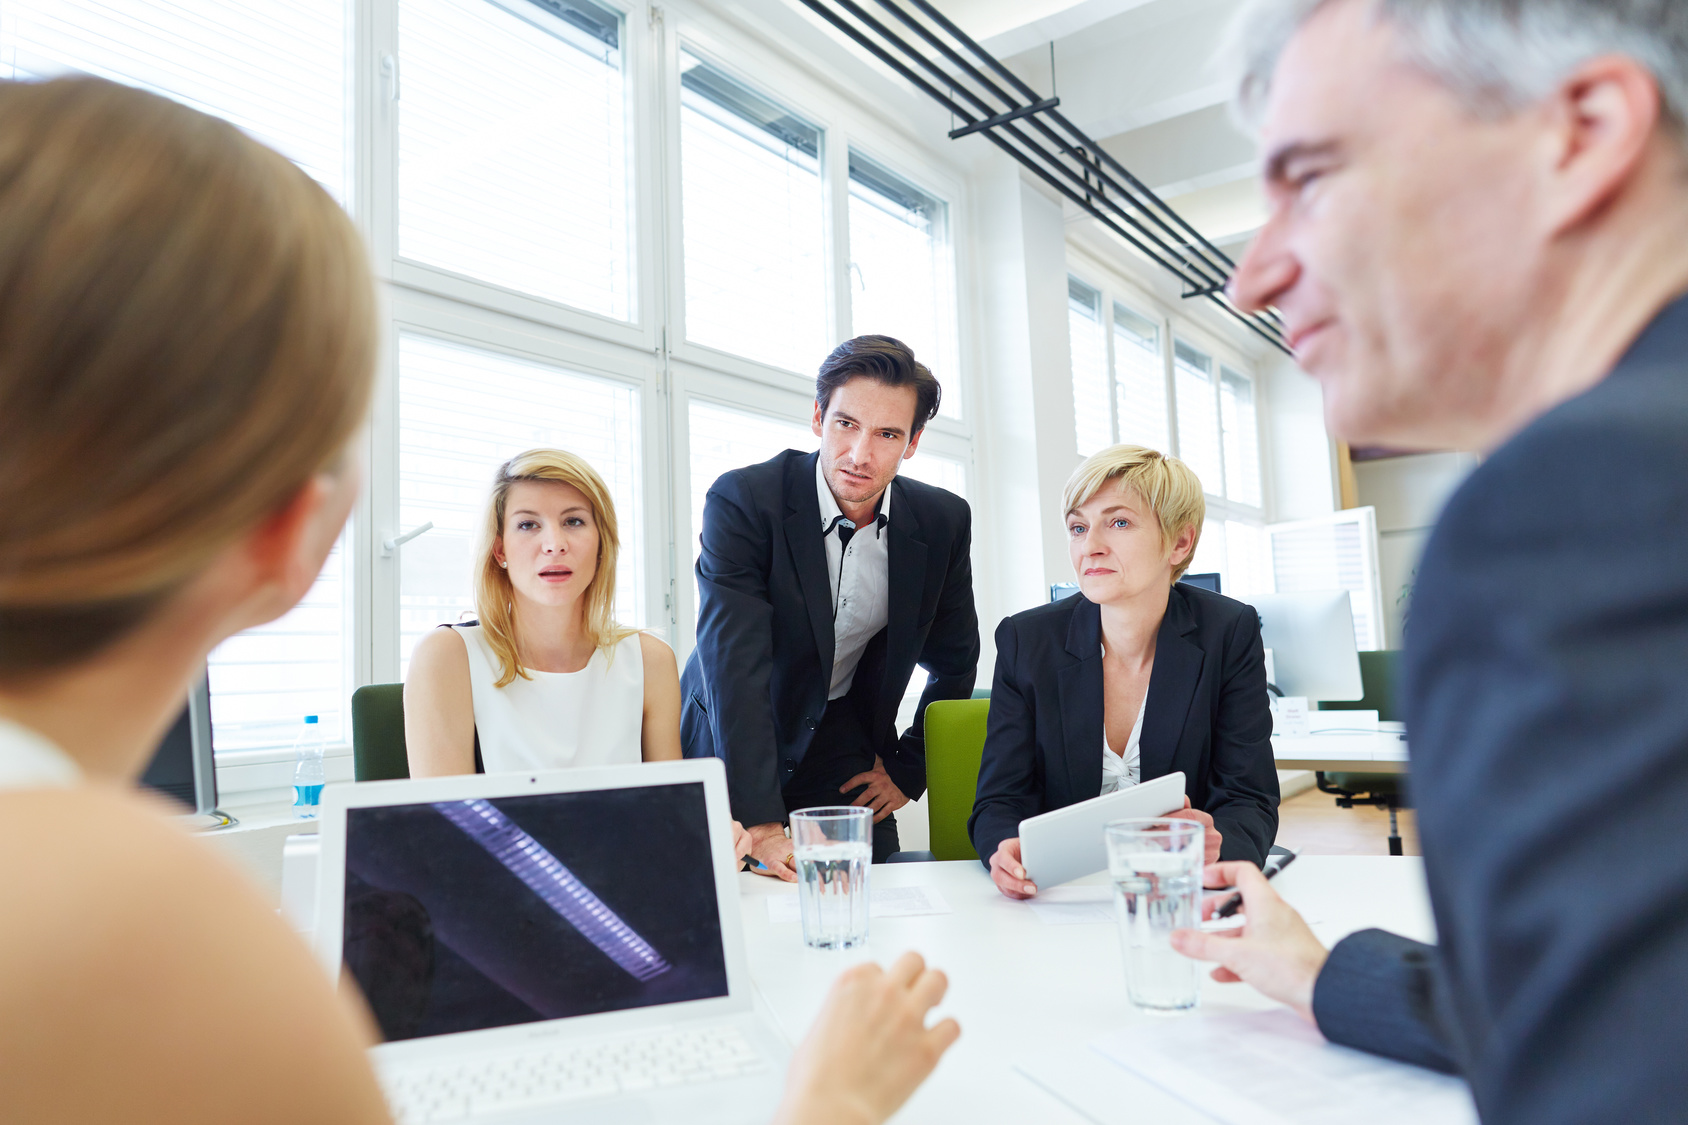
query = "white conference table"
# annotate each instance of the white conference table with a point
(1344, 753)
(1019, 985)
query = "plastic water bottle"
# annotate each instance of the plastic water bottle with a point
(307, 769)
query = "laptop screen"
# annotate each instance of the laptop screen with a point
(467, 915)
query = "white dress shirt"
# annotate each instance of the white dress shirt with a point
(29, 761)
(860, 578)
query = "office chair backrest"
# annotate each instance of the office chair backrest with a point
(378, 750)
(955, 743)
(1379, 672)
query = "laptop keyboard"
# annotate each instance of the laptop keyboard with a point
(500, 1084)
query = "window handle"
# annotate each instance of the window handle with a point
(390, 547)
(390, 76)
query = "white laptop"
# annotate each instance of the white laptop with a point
(561, 946)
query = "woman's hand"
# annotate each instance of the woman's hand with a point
(742, 842)
(1007, 871)
(1274, 950)
(1211, 839)
(870, 1046)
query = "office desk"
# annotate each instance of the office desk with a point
(1019, 985)
(1342, 753)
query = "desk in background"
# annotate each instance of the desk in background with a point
(1342, 753)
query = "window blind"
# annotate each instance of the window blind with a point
(754, 223)
(1140, 380)
(1092, 414)
(462, 413)
(1198, 415)
(275, 68)
(1241, 436)
(900, 281)
(1334, 552)
(513, 147)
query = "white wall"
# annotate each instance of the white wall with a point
(1408, 493)
(1301, 472)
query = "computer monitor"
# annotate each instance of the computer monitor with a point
(1059, 590)
(1312, 641)
(1207, 581)
(182, 768)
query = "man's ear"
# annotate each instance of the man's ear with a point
(913, 444)
(820, 418)
(1603, 119)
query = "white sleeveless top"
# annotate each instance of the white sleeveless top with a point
(593, 717)
(28, 761)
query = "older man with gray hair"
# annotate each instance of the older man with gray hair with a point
(1478, 239)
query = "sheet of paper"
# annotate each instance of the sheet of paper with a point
(1272, 1068)
(883, 902)
(1074, 906)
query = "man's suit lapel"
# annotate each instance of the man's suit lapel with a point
(808, 553)
(905, 565)
(1172, 685)
(1080, 688)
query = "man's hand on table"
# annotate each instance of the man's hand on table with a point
(1211, 839)
(1274, 951)
(881, 794)
(770, 847)
(869, 1048)
(742, 842)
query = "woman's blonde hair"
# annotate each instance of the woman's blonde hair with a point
(495, 597)
(187, 336)
(1165, 483)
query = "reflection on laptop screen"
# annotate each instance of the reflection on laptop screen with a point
(465, 915)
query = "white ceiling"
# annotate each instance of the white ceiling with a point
(1138, 76)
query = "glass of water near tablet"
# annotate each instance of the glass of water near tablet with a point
(833, 847)
(1156, 869)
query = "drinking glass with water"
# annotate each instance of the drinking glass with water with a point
(1156, 868)
(833, 847)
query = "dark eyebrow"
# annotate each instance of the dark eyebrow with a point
(884, 429)
(1284, 155)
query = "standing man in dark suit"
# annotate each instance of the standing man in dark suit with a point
(1478, 239)
(824, 579)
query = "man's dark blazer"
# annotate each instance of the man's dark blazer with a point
(756, 684)
(1206, 714)
(1546, 692)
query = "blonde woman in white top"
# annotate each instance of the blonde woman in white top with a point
(187, 344)
(545, 678)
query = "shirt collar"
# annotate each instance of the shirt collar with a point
(830, 511)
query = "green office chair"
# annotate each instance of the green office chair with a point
(378, 752)
(1378, 673)
(955, 743)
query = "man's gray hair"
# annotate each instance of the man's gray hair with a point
(1497, 55)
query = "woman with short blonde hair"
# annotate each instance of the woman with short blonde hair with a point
(545, 677)
(1136, 677)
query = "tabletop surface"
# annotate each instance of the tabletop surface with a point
(1019, 984)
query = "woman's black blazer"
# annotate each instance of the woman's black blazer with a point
(1206, 714)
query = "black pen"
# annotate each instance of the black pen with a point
(1273, 866)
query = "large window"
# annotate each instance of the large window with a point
(1092, 414)
(754, 223)
(901, 282)
(512, 147)
(1198, 415)
(462, 413)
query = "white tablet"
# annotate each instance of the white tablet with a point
(1058, 847)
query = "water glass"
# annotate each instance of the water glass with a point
(833, 847)
(1156, 868)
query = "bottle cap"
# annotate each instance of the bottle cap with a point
(310, 718)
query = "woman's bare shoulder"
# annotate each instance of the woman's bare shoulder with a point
(151, 971)
(440, 650)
